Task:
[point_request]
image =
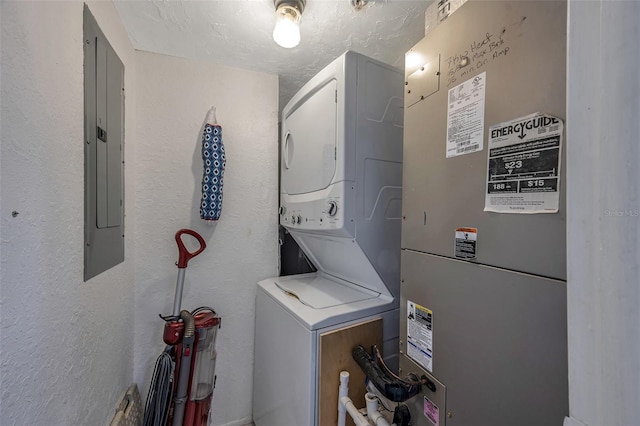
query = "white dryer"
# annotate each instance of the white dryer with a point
(341, 189)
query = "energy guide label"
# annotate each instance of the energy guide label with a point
(420, 335)
(523, 165)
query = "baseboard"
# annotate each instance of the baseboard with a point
(570, 421)
(247, 421)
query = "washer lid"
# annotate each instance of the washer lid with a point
(320, 292)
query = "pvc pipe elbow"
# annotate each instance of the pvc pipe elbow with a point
(358, 418)
(372, 410)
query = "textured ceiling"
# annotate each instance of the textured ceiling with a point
(238, 33)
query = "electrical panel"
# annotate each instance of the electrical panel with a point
(104, 151)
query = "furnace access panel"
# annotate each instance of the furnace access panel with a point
(489, 65)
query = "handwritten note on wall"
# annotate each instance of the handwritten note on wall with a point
(479, 52)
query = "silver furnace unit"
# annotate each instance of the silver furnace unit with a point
(483, 294)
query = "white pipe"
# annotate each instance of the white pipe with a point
(343, 391)
(372, 410)
(358, 418)
(345, 405)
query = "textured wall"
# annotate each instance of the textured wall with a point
(603, 221)
(66, 345)
(173, 97)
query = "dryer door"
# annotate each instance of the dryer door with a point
(309, 142)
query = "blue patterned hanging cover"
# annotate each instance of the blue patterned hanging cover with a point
(214, 164)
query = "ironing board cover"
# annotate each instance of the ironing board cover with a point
(212, 179)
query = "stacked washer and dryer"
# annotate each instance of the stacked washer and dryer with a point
(341, 200)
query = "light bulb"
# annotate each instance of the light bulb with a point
(287, 29)
(413, 60)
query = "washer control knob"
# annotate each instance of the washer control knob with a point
(282, 210)
(332, 208)
(298, 219)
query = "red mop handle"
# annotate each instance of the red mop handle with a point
(185, 255)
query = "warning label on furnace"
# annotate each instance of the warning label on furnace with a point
(420, 334)
(466, 243)
(524, 165)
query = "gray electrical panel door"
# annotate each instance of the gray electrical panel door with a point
(519, 48)
(104, 151)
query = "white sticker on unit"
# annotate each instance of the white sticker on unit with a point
(465, 116)
(523, 165)
(420, 335)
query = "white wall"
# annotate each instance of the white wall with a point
(603, 221)
(73, 354)
(66, 345)
(174, 96)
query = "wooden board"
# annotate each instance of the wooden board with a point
(335, 356)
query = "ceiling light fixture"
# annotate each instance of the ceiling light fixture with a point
(358, 4)
(287, 29)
